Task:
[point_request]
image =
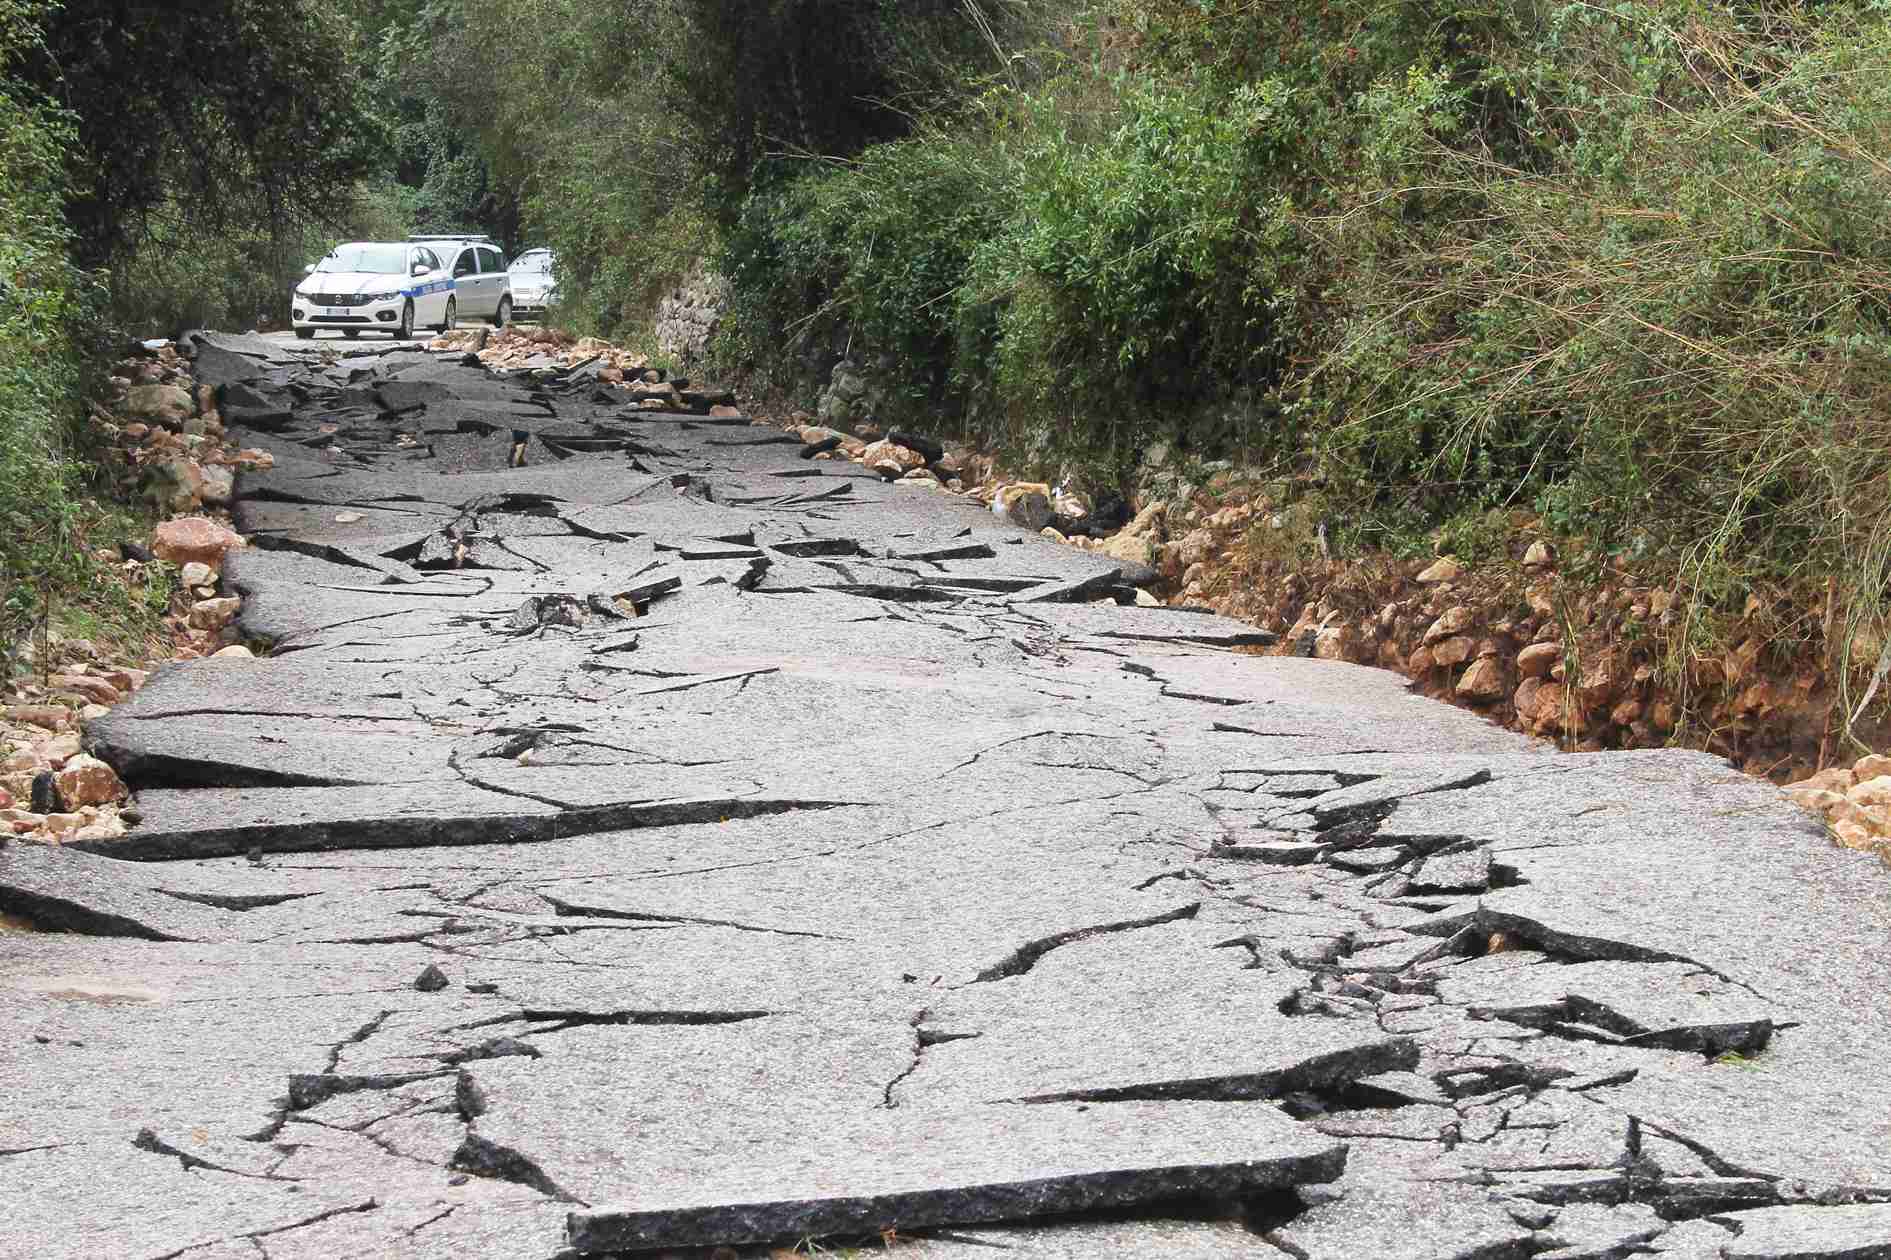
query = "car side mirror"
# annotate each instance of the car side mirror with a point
(309, 270)
(420, 269)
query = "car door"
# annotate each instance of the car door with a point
(492, 267)
(466, 286)
(429, 289)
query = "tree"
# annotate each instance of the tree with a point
(202, 116)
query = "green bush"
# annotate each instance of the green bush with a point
(46, 305)
(875, 249)
(236, 279)
(1667, 330)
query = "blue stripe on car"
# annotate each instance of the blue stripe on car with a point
(438, 286)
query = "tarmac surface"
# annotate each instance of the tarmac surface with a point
(674, 842)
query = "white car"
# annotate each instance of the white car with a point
(396, 287)
(534, 284)
(384, 286)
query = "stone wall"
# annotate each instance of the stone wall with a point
(687, 316)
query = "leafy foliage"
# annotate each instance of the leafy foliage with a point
(46, 299)
(199, 117)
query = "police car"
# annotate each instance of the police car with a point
(396, 287)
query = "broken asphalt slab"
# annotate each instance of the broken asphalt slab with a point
(819, 856)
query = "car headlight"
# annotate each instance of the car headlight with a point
(381, 297)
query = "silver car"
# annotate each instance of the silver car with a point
(534, 283)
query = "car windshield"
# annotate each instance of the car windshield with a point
(384, 260)
(532, 265)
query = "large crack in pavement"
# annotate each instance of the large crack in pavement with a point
(681, 840)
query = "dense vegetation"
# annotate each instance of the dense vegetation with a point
(1618, 265)
(1621, 265)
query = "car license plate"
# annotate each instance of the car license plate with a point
(337, 310)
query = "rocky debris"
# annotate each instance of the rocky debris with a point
(892, 460)
(214, 614)
(167, 405)
(50, 788)
(84, 781)
(1854, 804)
(194, 539)
(1025, 505)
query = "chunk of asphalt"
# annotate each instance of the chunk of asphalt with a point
(910, 1170)
(931, 448)
(1272, 852)
(65, 889)
(1807, 1232)
(430, 980)
(1465, 870)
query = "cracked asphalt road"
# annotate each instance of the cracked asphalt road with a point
(806, 856)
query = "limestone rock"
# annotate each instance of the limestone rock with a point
(1483, 681)
(236, 651)
(194, 538)
(169, 405)
(1024, 504)
(173, 485)
(1871, 792)
(1129, 548)
(1453, 652)
(197, 573)
(47, 716)
(1333, 643)
(88, 781)
(97, 690)
(886, 454)
(1537, 660)
(1148, 522)
(214, 614)
(1445, 569)
(1455, 621)
(218, 485)
(1867, 768)
(1196, 547)
(1537, 556)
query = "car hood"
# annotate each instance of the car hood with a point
(352, 282)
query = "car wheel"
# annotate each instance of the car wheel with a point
(452, 316)
(504, 315)
(304, 334)
(406, 331)
(351, 333)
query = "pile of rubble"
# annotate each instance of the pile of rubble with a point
(169, 433)
(514, 349)
(1855, 803)
(165, 441)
